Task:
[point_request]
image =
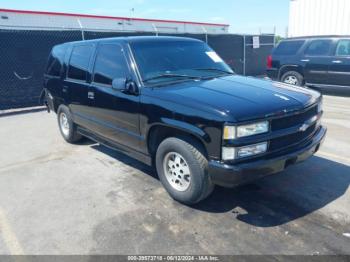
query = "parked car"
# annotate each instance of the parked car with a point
(172, 102)
(312, 61)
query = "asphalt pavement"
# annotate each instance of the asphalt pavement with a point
(57, 198)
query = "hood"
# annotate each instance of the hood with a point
(241, 98)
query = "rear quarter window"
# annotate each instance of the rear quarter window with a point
(289, 47)
(55, 61)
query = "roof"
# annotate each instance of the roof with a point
(317, 36)
(135, 39)
(106, 17)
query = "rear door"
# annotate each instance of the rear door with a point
(317, 59)
(339, 71)
(76, 84)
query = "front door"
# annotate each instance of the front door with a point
(115, 113)
(317, 59)
(339, 70)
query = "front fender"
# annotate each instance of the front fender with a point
(208, 136)
(186, 127)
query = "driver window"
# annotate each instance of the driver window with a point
(110, 64)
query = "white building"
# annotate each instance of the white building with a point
(19, 19)
(319, 17)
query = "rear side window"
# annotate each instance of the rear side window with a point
(318, 48)
(343, 48)
(110, 64)
(288, 47)
(79, 62)
(55, 61)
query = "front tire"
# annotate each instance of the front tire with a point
(66, 125)
(293, 78)
(182, 169)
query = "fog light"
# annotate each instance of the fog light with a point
(251, 150)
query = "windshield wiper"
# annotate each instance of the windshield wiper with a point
(170, 76)
(214, 69)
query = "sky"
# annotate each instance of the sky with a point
(244, 16)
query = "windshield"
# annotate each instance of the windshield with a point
(163, 61)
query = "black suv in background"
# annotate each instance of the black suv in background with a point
(174, 103)
(312, 61)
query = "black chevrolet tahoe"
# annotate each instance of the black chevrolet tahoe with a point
(173, 103)
(311, 61)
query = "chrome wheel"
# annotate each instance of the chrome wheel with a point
(64, 125)
(177, 171)
(292, 80)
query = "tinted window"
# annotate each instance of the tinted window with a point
(177, 57)
(288, 47)
(110, 64)
(79, 62)
(56, 59)
(318, 47)
(343, 48)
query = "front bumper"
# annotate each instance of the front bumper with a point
(234, 175)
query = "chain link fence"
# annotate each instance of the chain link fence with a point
(24, 55)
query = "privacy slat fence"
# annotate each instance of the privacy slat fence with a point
(23, 56)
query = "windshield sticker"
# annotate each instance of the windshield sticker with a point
(214, 56)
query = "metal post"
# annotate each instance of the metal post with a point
(244, 54)
(82, 30)
(206, 34)
(155, 29)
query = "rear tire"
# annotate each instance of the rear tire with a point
(183, 170)
(293, 78)
(66, 125)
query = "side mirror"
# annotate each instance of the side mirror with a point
(132, 88)
(125, 86)
(119, 84)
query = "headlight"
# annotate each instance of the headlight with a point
(253, 129)
(231, 153)
(231, 132)
(251, 150)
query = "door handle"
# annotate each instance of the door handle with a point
(305, 60)
(337, 62)
(65, 89)
(91, 95)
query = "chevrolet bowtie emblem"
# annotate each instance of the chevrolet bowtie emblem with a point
(304, 127)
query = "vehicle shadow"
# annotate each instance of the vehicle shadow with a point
(126, 160)
(272, 201)
(279, 199)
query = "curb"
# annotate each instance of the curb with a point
(18, 111)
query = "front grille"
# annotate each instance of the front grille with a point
(289, 140)
(293, 120)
